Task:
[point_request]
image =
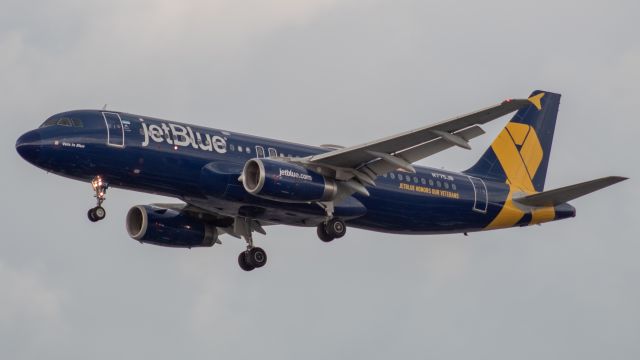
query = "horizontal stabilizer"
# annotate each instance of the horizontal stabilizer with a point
(568, 193)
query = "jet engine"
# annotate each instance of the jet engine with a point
(286, 182)
(168, 227)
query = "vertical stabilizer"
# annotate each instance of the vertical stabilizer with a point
(520, 154)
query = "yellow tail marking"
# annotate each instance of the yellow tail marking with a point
(508, 216)
(532, 153)
(520, 168)
(536, 101)
(511, 161)
(541, 215)
(518, 132)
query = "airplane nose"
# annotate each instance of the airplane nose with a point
(29, 146)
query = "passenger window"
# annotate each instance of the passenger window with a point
(248, 150)
(239, 148)
(384, 175)
(392, 175)
(438, 183)
(232, 147)
(430, 182)
(415, 179)
(446, 185)
(454, 187)
(423, 181)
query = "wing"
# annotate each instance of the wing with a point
(358, 166)
(453, 132)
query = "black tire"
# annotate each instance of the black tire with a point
(256, 257)
(322, 233)
(99, 212)
(91, 215)
(336, 228)
(242, 261)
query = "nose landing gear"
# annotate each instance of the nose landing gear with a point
(100, 188)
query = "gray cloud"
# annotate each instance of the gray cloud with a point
(316, 72)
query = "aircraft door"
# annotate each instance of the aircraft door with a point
(115, 130)
(481, 196)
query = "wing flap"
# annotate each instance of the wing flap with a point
(568, 193)
(411, 155)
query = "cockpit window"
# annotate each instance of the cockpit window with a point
(63, 121)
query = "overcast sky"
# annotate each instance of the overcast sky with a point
(322, 71)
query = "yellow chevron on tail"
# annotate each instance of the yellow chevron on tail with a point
(520, 154)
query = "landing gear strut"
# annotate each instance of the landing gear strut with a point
(100, 188)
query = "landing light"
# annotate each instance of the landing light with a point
(97, 182)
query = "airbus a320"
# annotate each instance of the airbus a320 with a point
(236, 184)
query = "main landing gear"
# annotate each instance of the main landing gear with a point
(333, 228)
(254, 257)
(100, 188)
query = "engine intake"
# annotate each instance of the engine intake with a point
(283, 181)
(167, 227)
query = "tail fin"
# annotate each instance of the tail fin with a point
(520, 153)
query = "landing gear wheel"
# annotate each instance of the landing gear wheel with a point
(256, 257)
(322, 233)
(99, 212)
(335, 228)
(242, 261)
(96, 214)
(91, 215)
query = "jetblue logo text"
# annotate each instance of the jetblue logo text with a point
(179, 135)
(294, 174)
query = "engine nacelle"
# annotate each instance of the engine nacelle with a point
(283, 181)
(167, 227)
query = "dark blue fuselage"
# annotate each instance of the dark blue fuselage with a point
(201, 166)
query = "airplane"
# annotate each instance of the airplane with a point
(237, 184)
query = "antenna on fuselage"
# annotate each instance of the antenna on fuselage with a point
(104, 107)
